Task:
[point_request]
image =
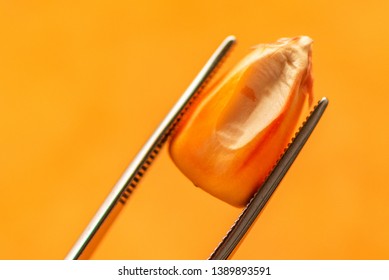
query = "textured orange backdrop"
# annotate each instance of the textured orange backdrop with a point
(84, 83)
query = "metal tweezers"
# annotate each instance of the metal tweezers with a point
(115, 201)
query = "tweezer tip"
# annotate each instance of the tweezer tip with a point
(322, 105)
(324, 101)
(230, 39)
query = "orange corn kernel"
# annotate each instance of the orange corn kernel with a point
(230, 139)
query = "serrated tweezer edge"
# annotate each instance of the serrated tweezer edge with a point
(259, 200)
(134, 172)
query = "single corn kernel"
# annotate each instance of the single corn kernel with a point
(230, 139)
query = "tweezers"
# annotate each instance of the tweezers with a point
(117, 198)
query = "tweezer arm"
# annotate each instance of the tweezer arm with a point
(254, 207)
(132, 175)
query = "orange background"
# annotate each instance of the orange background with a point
(83, 85)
